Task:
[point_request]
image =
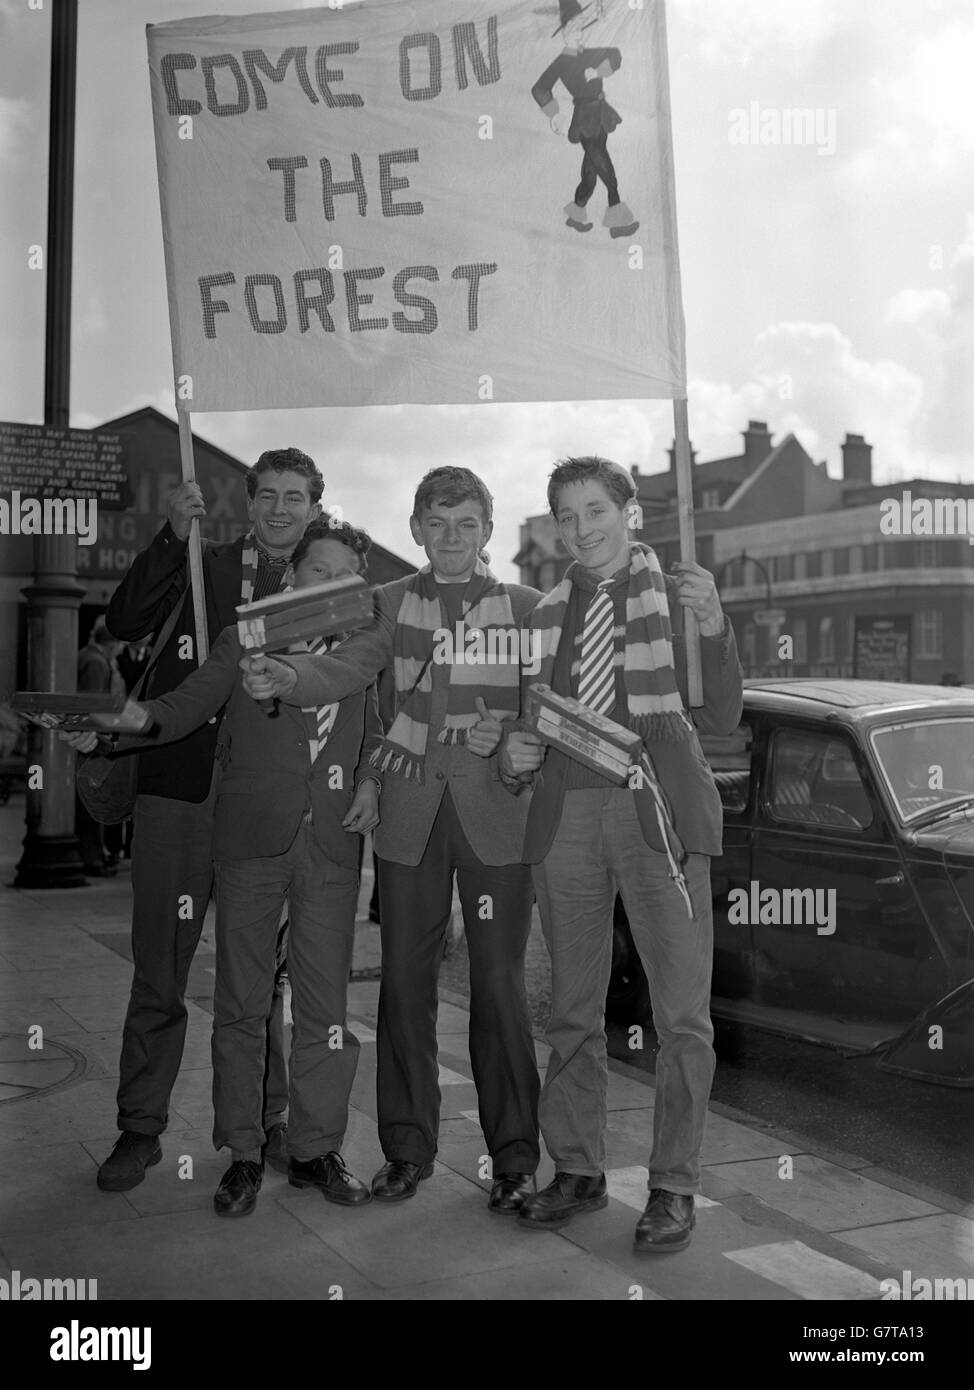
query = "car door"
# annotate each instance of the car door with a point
(854, 947)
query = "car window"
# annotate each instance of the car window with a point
(927, 763)
(814, 781)
(730, 761)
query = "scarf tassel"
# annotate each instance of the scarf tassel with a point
(675, 853)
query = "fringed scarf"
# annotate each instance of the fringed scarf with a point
(655, 706)
(420, 642)
(649, 675)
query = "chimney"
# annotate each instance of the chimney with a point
(757, 441)
(857, 459)
(672, 453)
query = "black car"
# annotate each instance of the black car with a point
(844, 897)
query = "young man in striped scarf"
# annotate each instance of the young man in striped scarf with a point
(445, 812)
(611, 636)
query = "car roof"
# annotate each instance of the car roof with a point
(856, 701)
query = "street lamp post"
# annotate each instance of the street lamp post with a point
(51, 858)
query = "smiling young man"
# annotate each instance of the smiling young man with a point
(445, 813)
(611, 636)
(171, 848)
(296, 793)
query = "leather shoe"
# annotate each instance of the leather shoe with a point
(332, 1179)
(509, 1191)
(274, 1151)
(564, 1197)
(125, 1166)
(237, 1193)
(666, 1223)
(396, 1181)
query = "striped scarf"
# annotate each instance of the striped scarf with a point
(422, 614)
(655, 707)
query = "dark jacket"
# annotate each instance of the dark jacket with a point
(683, 771)
(492, 820)
(157, 581)
(270, 781)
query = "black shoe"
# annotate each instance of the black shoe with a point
(126, 1164)
(509, 1191)
(396, 1181)
(666, 1223)
(274, 1151)
(237, 1193)
(564, 1197)
(332, 1179)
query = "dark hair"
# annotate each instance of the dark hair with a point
(324, 529)
(451, 486)
(286, 461)
(617, 482)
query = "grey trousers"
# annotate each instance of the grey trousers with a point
(598, 848)
(321, 898)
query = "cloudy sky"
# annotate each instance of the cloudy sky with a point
(827, 288)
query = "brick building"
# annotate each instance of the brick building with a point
(802, 555)
(152, 466)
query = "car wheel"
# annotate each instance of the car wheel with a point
(627, 998)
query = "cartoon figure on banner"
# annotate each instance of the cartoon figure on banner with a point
(582, 72)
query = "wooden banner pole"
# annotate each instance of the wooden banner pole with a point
(684, 501)
(195, 546)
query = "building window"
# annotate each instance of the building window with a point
(828, 564)
(826, 640)
(840, 561)
(927, 554)
(799, 632)
(870, 557)
(813, 561)
(710, 498)
(783, 567)
(801, 565)
(855, 559)
(930, 633)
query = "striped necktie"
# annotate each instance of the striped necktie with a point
(324, 715)
(596, 677)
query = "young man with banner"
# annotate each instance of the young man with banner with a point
(284, 835)
(172, 860)
(445, 812)
(611, 636)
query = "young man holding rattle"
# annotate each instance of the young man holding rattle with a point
(296, 789)
(445, 812)
(611, 636)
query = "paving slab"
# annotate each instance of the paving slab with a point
(192, 1256)
(939, 1246)
(825, 1196)
(446, 1226)
(80, 1111)
(52, 1186)
(807, 1272)
(579, 1278)
(112, 975)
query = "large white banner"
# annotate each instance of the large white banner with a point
(430, 201)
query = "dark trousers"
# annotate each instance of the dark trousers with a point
(597, 164)
(321, 897)
(416, 905)
(172, 876)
